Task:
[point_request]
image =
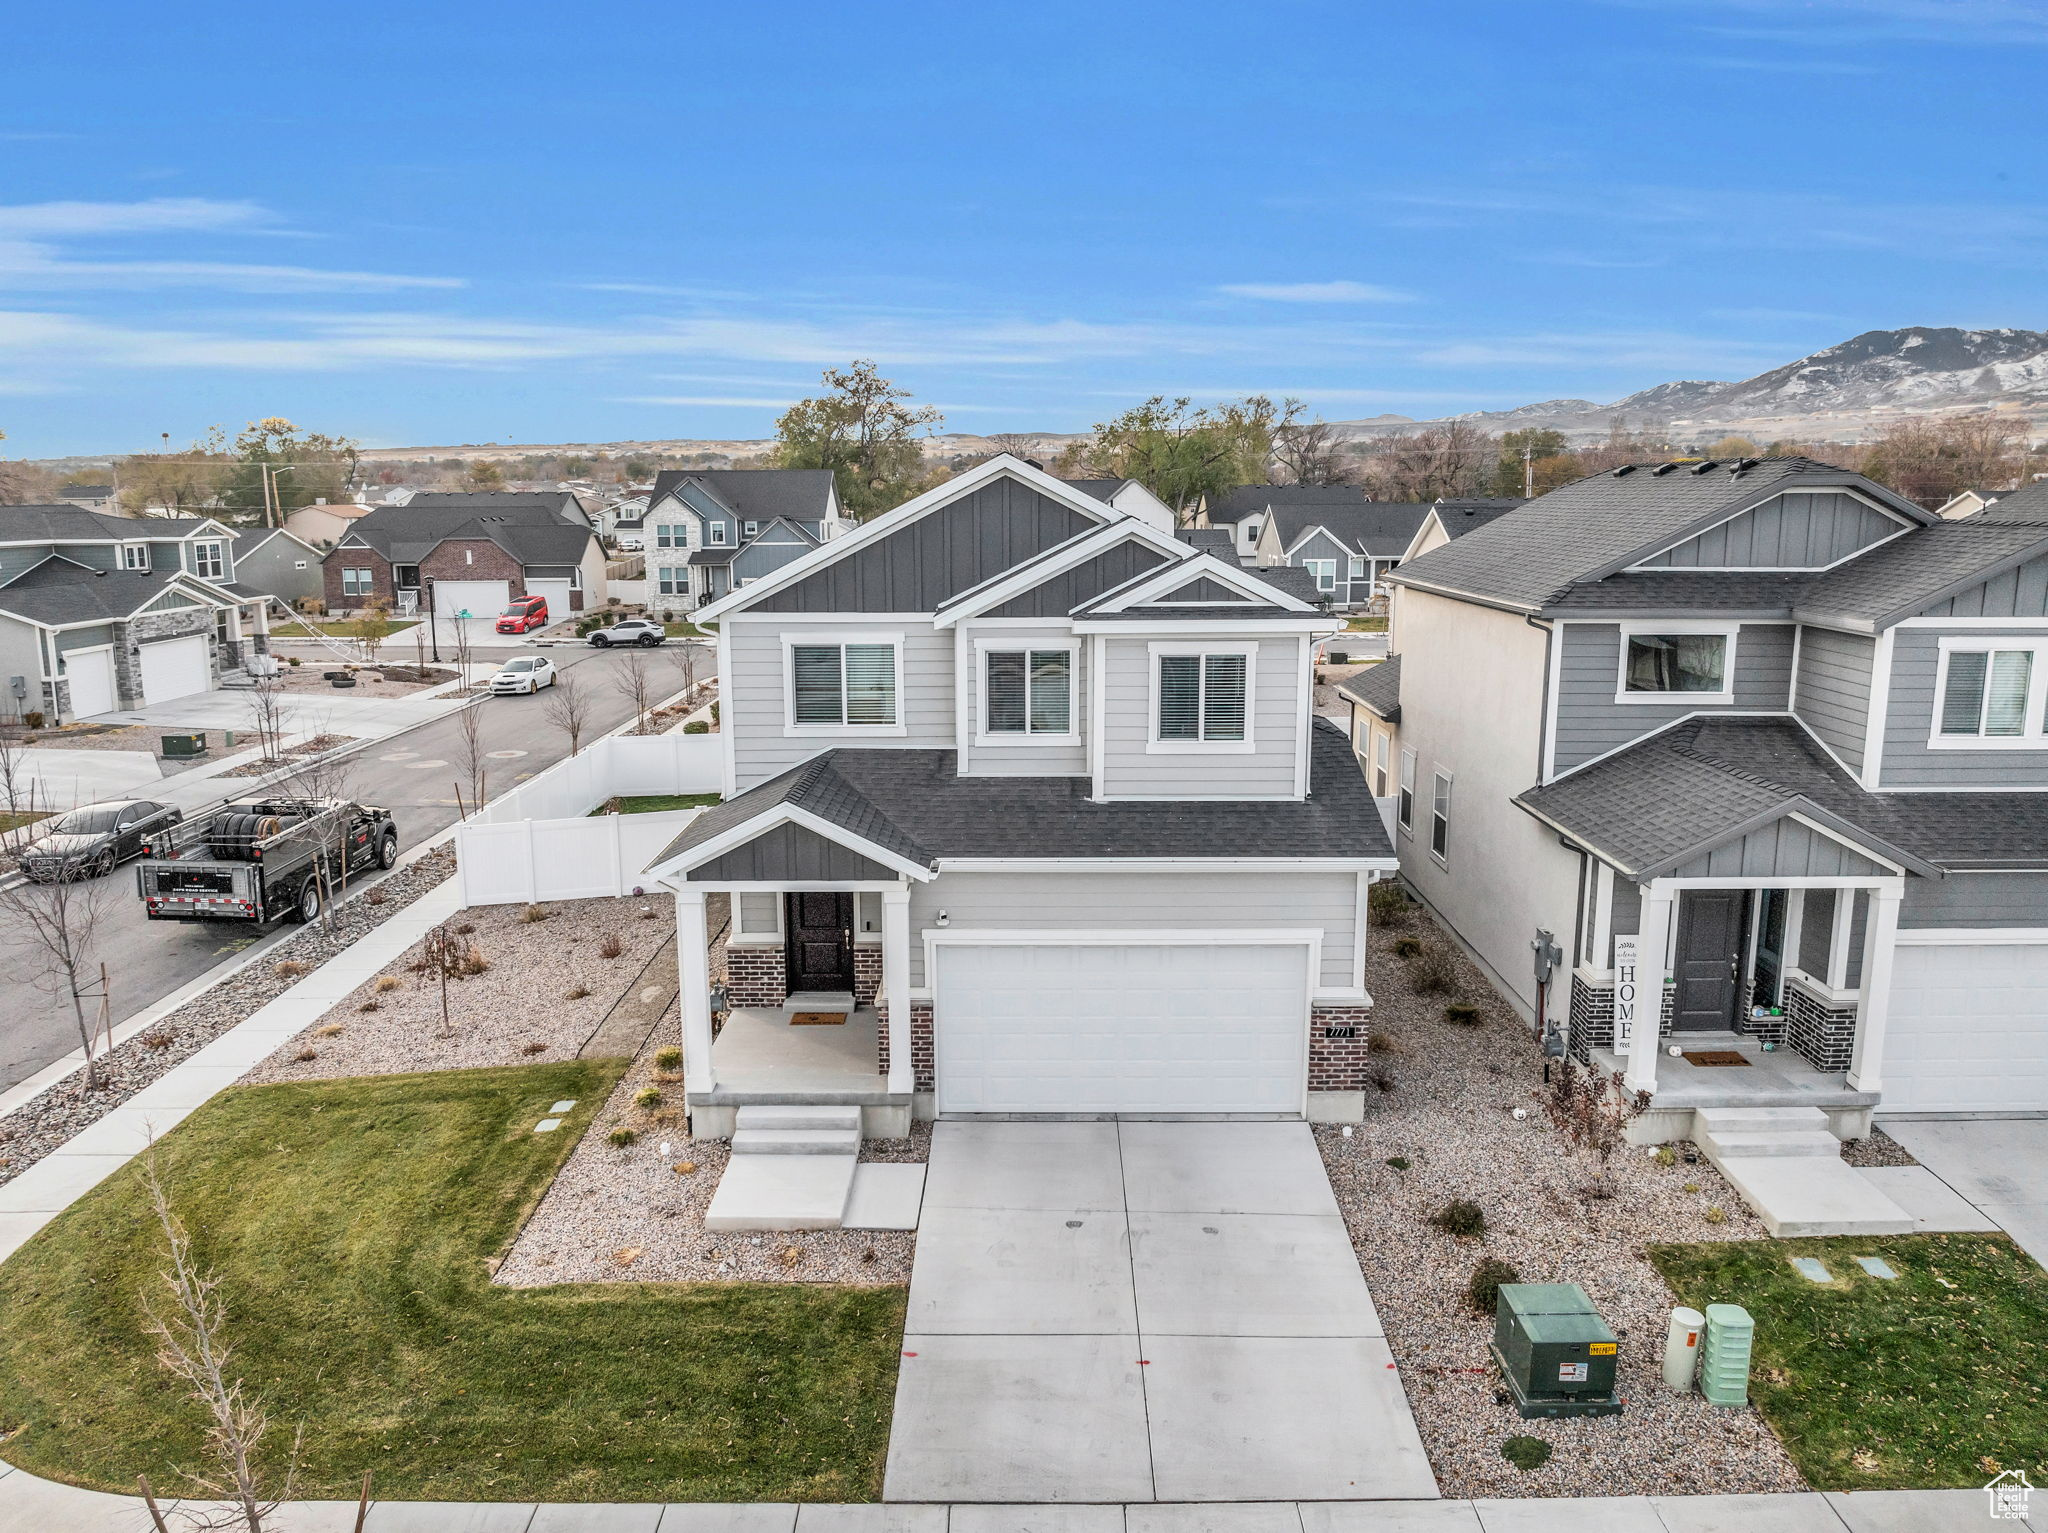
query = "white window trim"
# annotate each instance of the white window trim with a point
(983, 648)
(1155, 746)
(714, 534)
(1356, 566)
(219, 557)
(1450, 782)
(1723, 698)
(749, 529)
(1404, 779)
(779, 937)
(1318, 568)
(135, 558)
(2030, 737)
(793, 730)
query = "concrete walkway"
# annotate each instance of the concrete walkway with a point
(1999, 1166)
(1142, 1311)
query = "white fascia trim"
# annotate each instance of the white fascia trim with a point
(1731, 631)
(1169, 864)
(1220, 628)
(1122, 936)
(1982, 936)
(1553, 665)
(1076, 551)
(1880, 708)
(786, 886)
(1098, 712)
(2021, 626)
(789, 814)
(1255, 591)
(835, 549)
(1895, 886)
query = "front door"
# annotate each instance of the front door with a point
(1708, 969)
(820, 941)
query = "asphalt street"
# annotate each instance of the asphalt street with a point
(413, 774)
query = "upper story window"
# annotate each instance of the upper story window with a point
(1029, 692)
(672, 535)
(1677, 663)
(1202, 697)
(748, 529)
(134, 556)
(842, 685)
(1406, 811)
(1379, 763)
(1325, 571)
(1992, 693)
(714, 534)
(209, 560)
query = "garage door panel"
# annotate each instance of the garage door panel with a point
(92, 682)
(1969, 1028)
(174, 668)
(1137, 1027)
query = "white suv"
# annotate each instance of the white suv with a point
(631, 630)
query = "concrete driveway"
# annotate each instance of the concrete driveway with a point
(2000, 1165)
(1142, 1311)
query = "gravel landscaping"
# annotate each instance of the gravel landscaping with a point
(85, 737)
(290, 756)
(539, 988)
(1449, 1114)
(1880, 1149)
(47, 1120)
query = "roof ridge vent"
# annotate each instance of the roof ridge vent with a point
(1626, 468)
(1703, 466)
(1662, 469)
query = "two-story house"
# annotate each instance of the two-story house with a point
(1034, 790)
(710, 531)
(1348, 543)
(454, 554)
(1760, 738)
(99, 612)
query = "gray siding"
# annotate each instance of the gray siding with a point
(1062, 593)
(83, 638)
(2020, 592)
(1909, 762)
(1590, 722)
(1129, 770)
(1966, 900)
(1025, 755)
(271, 569)
(1801, 530)
(1204, 589)
(1816, 929)
(766, 556)
(794, 853)
(756, 712)
(105, 556)
(1782, 849)
(995, 528)
(1136, 901)
(1833, 694)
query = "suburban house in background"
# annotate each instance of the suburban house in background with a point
(1246, 509)
(89, 497)
(1374, 697)
(100, 613)
(710, 531)
(1449, 519)
(1032, 790)
(456, 554)
(1346, 545)
(1129, 497)
(1968, 502)
(274, 562)
(322, 524)
(1767, 740)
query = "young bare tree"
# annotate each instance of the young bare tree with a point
(56, 929)
(688, 660)
(371, 627)
(192, 1346)
(635, 682)
(567, 709)
(1306, 451)
(327, 776)
(18, 788)
(268, 710)
(470, 754)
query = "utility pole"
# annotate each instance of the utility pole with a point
(1528, 471)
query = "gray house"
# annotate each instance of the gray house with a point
(271, 560)
(710, 531)
(1347, 546)
(1033, 792)
(1763, 739)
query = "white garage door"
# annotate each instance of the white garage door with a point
(174, 668)
(92, 682)
(557, 593)
(481, 599)
(1969, 1028)
(1082, 1028)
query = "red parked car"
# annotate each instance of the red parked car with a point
(524, 615)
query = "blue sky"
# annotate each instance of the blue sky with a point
(509, 222)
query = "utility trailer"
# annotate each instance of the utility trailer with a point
(262, 860)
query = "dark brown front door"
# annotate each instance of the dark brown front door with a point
(820, 941)
(1708, 969)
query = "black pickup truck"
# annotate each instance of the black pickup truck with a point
(262, 860)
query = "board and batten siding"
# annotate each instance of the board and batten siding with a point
(1783, 849)
(1116, 901)
(1833, 693)
(1057, 595)
(1909, 760)
(756, 708)
(1591, 723)
(2020, 592)
(1129, 770)
(1974, 901)
(1024, 755)
(1799, 530)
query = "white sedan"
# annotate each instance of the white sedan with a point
(529, 673)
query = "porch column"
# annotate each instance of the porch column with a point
(1653, 931)
(896, 986)
(1880, 934)
(693, 972)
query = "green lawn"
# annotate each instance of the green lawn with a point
(656, 803)
(14, 819)
(351, 1222)
(1366, 624)
(1932, 1380)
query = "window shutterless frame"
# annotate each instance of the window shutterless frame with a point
(846, 684)
(1991, 693)
(1440, 819)
(1027, 691)
(135, 556)
(1677, 631)
(1204, 707)
(208, 561)
(1405, 815)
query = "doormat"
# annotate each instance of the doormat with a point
(1714, 1057)
(818, 1019)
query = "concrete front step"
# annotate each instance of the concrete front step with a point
(781, 1192)
(798, 1115)
(1784, 1142)
(1798, 1195)
(796, 1141)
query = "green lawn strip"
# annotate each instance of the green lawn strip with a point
(1881, 1385)
(1366, 624)
(351, 1222)
(15, 819)
(656, 803)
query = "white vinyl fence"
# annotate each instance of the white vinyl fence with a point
(541, 842)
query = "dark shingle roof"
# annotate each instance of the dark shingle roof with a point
(1378, 687)
(75, 524)
(1249, 498)
(1458, 517)
(1100, 489)
(1381, 528)
(58, 591)
(711, 555)
(1291, 578)
(2027, 505)
(562, 504)
(532, 533)
(1692, 786)
(1220, 541)
(915, 803)
(757, 494)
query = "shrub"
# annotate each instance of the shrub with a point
(533, 1048)
(533, 914)
(474, 962)
(331, 1030)
(1526, 1453)
(1387, 904)
(578, 992)
(157, 1039)
(1381, 1043)
(33, 719)
(1716, 1215)
(1407, 947)
(386, 983)
(371, 1006)
(612, 946)
(697, 727)
(1483, 1290)
(291, 968)
(1399, 1162)
(294, 661)
(1434, 971)
(466, 929)
(619, 1138)
(1462, 1013)
(647, 1098)
(1664, 1155)
(714, 713)
(1460, 1217)
(305, 1056)
(670, 1058)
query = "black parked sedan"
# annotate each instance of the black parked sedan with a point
(89, 840)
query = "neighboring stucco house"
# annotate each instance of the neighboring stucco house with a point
(1761, 737)
(100, 613)
(322, 524)
(1347, 547)
(1451, 519)
(1129, 497)
(450, 556)
(710, 531)
(274, 562)
(1374, 696)
(1040, 784)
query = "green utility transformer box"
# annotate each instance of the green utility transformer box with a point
(1557, 1353)
(184, 745)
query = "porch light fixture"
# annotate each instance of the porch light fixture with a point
(941, 919)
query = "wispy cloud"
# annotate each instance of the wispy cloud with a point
(1316, 292)
(1964, 22)
(157, 215)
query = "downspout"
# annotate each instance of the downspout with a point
(1543, 725)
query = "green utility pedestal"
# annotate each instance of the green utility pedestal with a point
(1724, 1356)
(1556, 1352)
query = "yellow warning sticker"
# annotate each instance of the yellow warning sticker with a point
(1602, 1349)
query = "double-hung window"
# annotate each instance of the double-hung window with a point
(1028, 692)
(208, 561)
(1202, 698)
(1379, 763)
(1325, 572)
(671, 535)
(1992, 693)
(674, 579)
(358, 582)
(135, 556)
(842, 686)
(1406, 814)
(714, 534)
(1440, 818)
(1677, 664)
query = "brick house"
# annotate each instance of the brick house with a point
(466, 554)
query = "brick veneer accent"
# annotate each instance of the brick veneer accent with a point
(921, 1051)
(1335, 1062)
(867, 973)
(487, 561)
(1825, 1035)
(1591, 1017)
(756, 976)
(1765, 1029)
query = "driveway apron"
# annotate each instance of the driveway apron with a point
(1142, 1311)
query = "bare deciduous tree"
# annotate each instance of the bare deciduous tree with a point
(327, 776)
(267, 714)
(20, 791)
(567, 709)
(1307, 452)
(1449, 458)
(56, 928)
(1933, 458)
(635, 681)
(470, 754)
